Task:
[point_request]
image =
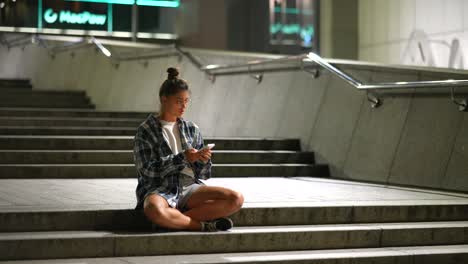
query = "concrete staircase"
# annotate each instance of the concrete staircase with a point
(64, 139)
(19, 93)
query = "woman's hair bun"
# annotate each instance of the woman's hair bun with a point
(172, 73)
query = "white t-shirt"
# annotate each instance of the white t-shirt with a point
(172, 135)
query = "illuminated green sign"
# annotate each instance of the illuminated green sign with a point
(306, 32)
(65, 16)
(294, 23)
(91, 16)
(162, 3)
(292, 29)
(292, 11)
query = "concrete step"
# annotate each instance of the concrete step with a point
(14, 80)
(74, 244)
(452, 254)
(37, 98)
(22, 97)
(15, 86)
(18, 92)
(249, 215)
(76, 171)
(126, 156)
(45, 101)
(70, 121)
(38, 142)
(48, 104)
(66, 112)
(20, 83)
(15, 89)
(67, 130)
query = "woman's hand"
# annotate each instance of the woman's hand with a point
(205, 155)
(194, 155)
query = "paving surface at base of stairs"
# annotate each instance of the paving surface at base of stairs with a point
(390, 255)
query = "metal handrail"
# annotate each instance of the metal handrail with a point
(376, 102)
(213, 70)
(312, 57)
(390, 85)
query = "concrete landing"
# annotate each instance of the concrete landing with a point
(91, 194)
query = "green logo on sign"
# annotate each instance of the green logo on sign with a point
(50, 16)
(74, 18)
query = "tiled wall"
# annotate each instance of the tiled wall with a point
(385, 27)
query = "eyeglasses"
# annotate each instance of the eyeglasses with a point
(184, 102)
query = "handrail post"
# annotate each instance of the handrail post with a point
(462, 103)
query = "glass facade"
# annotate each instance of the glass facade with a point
(88, 16)
(294, 22)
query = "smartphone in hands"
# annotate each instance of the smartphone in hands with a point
(209, 146)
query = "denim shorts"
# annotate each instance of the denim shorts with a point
(184, 196)
(178, 202)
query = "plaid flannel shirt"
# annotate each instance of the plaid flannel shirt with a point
(157, 166)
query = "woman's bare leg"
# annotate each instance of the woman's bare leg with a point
(206, 203)
(158, 211)
(209, 202)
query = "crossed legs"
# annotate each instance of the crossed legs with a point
(206, 203)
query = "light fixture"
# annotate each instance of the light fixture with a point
(2, 5)
(211, 66)
(101, 47)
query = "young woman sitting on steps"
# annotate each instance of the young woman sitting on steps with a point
(171, 160)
